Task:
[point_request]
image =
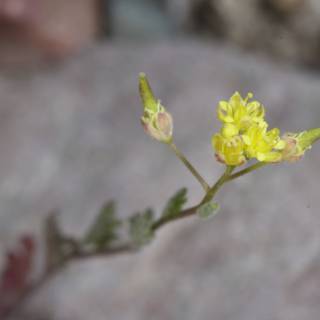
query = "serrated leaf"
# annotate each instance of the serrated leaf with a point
(104, 230)
(208, 209)
(175, 204)
(141, 228)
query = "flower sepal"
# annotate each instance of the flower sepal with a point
(159, 126)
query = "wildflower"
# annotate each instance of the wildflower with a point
(229, 150)
(156, 121)
(238, 114)
(244, 133)
(263, 145)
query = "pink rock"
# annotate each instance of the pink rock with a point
(32, 30)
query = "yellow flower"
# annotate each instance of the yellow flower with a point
(156, 121)
(263, 145)
(229, 150)
(238, 114)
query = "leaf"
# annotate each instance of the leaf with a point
(104, 230)
(54, 238)
(141, 228)
(175, 204)
(209, 209)
(15, 276)
(58, 245)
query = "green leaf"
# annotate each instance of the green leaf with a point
(104, 230)
(175, 204)
(208, 209)
(141, 228)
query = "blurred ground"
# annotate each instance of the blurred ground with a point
(287, 30)
(46, 30)
(70, 139)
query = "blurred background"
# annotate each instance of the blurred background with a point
(70, 139)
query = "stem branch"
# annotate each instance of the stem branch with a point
(214, 189)
(190, 167)
(253, 167)
(78, 254)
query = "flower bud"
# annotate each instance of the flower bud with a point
(298, 143)
(156, 121)
(229, 151)
(150, 103)
(159, 127)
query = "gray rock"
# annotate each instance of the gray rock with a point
(139, 19)
(70, 139)
(288, 29)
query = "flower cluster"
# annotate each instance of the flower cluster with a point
(244, 134)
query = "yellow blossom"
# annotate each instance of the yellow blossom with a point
(229, 150)
(263, 145)
(244, 135)
(238, 114)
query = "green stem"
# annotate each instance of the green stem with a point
(247, 170)
(226, 177)
(190, 167)
(214, 189)
(193, 210)
(183, 214)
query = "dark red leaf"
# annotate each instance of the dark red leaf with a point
(16, 274)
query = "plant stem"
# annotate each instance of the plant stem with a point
(214, 189)
(183, 214)
(193, 210)
(127, 247)
(50, 274)
(226, 177)
(247, 170)
(190, 167)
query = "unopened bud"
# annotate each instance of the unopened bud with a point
(298, 143)
(156, 121)
(150, 103)
(159, 127)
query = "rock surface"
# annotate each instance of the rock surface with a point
(37, 30)
(70, 139)
(283, 28)
(139, 20)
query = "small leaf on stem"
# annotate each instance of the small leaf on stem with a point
(104, 230)
(208, 209)
(141, 228)
(175, 204)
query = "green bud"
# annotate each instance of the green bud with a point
(308, 138)
(150, 103)
(298, 143)
(156, 121)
